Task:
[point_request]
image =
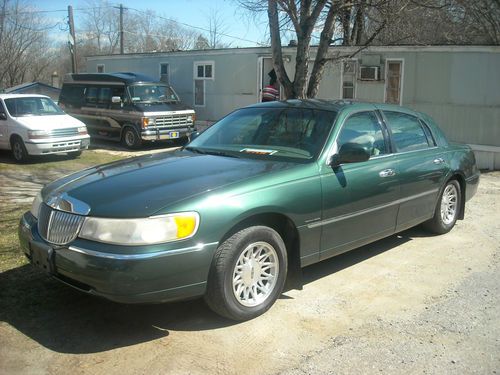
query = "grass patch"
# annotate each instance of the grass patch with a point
(10, 251)
(44, 163)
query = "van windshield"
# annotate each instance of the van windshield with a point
(152, 94)
(32, 106)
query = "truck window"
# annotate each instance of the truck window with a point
(72, 95)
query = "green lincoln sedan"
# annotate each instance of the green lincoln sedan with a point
(266, 190)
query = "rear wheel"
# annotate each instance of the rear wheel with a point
(447, 209)
(19, 151)
(247, 274)
(131, 139)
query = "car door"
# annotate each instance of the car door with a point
(359, 199)
(422, 167)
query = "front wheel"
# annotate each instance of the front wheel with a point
(131, 139)
(447, 209)
(248, 273)
(19, 151)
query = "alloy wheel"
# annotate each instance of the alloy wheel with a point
(255, 274)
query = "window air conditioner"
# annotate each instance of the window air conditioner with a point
(369, 73)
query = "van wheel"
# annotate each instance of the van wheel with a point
(131, 139)
(19, 150)
(248, 273)
(446, 213)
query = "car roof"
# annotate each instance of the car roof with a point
(332, 105)
(122, 77)
(11, 96)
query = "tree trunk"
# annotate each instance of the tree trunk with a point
(279, 68)
(321, 54)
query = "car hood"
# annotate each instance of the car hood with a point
(49, 122)
(141, 187)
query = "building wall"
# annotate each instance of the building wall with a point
(458, 86)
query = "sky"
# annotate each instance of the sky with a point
(238, 22)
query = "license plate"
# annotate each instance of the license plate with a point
(42, 257)
(173, 134)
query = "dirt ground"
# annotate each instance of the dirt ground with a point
(411, 303)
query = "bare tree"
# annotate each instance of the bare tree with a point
(217, 27)
(101, 25)
(424, 22)
(27, 53)
(321, 19)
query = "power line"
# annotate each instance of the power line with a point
(136, 10)
(197, 27)
(55, 10)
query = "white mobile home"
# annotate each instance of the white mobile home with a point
(457, 85)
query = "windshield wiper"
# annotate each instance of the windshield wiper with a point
(210, 152)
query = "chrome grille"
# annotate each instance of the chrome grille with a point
(67, 132)
(172, 121)
(58, 227)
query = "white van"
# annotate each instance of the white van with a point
(35, 125)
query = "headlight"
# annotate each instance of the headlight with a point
(152, 230)
(191, 118)
(147, 121)
(82, 130)
(35, 206)
(38, 134)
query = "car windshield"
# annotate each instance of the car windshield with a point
(152, 94)
(32, 106)
(276, 133)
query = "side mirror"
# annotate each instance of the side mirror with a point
(3, 116)
(350, 153)
(116, 99)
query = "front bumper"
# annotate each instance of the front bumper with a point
(163, 134)
(160, 276)
(58, 146)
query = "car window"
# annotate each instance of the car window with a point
(72, 95)
(91, 95)
(364, 129)
(152, 93)
(428, 133)
(104, 96)
(32, 106)
(270, 132)
(407, 132)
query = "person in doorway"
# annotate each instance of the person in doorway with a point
(270, 92)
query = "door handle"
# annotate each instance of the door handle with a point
(387, 173)
(438, 161)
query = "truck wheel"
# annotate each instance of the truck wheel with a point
(131, 139)
(19, 151)
(248, 273)
(446, 213)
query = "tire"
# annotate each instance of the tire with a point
(238, 288)
(74, 154)
(19, 151)
(447, 209)
(131, 139)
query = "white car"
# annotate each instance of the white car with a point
(35, 125)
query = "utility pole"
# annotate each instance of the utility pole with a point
(121, 29)
(72, 42)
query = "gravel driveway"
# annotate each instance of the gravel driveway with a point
(411, 303)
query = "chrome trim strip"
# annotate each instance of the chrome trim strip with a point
(63, 202)
(158, 254)
(368, 210)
